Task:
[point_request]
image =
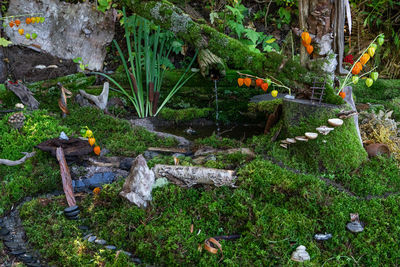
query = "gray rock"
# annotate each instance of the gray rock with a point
(322, 237)
(63, 136)
(71, 209)
(150, 154)
(4, 231)
(355, 227)
(138, 185)
(92, 238)
(100, 242)
(87, 236)
(83, 102)
(110, 247)
(89, 31)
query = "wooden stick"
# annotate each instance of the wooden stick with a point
(17, 162)
(66, 177)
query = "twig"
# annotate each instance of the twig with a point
(21, 15)
(273, 80)
(17, 162)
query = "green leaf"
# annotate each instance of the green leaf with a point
(252, 35)
(270, 41)
(4, 42)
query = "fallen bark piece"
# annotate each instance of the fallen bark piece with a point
(168, 150)
(66, 177)
(17, 162)
(138, 185)
(24, 94)
(189, 176)
(101, 100)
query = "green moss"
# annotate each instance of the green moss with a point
(184, 114)
(264, 106)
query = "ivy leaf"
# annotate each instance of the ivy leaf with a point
(4, 42)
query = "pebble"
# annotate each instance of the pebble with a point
(63, 136)
(12, 245)
(111, 247)
(71, 209)
(127, 253)
(25, 257)
(322, 237)
(72, 214)
(100, 242)
(300, 254)
(87, 236)
(17, 252)
(355, 227)
(92, 238)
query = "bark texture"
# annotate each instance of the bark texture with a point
(190, 176)
(17, 162)
(24, 94)
(66, 177)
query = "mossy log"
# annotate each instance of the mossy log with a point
(211, 65)
(235, 54)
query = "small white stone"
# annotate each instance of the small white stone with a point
(300, 254)
(63, 136)
(19, 105)
(40, 67)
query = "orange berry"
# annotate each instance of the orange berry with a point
(92, 141)
(264, 86)
(310, 49)
(28, 21)
(11, 24)
(259, 82)
(17, 22)
(247, 82)
(342, 94)
(97, 150)
(240, 81)
(21, 31)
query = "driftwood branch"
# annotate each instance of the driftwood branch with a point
(66, 177)
(24, 94)
(189, 176)
(17, 162)
(101, 100)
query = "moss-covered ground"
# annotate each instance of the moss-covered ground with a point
(273, 209)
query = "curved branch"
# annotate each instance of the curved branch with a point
(17, 162)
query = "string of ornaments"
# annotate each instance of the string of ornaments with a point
(17, 24)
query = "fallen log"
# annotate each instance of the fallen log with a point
(17, 162)
(189, 176)
(66, 177)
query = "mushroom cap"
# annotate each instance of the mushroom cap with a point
(291, 140)
(284, 145)
(311, 136)
(301, 138)
(335, 122)
(285, 142)
(324, 130)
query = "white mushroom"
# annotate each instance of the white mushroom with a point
(335, 122)
(311, 136)
(324, 130)
(301, 138)
(284, 146)
(300, 254)
(291, 140)
(285, 142)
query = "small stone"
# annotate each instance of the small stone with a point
(87, 236)
(12, 245)
(17, 252)
(126, 253)
(111, 247)
(355, 227)
(300, 254)
(74, 218)
(92, 238)
(137, 260)
(25, 257)
(63, 136)
(72, 214)
(4, 231)
(322, 237)
(100, 242)
(71, 209)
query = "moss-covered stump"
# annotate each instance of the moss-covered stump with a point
(340, 149)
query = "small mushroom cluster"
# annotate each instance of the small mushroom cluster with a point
(17, 120)
(324, 130)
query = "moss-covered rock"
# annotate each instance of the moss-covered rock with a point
(187, 114)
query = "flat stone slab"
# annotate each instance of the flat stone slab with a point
(71, 209)
(266, 97)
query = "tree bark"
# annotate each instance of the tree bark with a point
(24, 94)
(101, 100)
(189, 176)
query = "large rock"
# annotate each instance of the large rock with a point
(69, 30)
(138, 185)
